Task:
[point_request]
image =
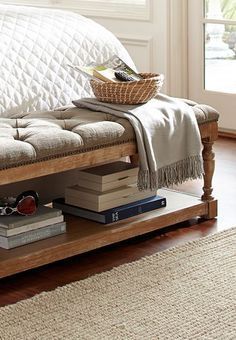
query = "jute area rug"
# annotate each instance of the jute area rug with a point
(188, 292)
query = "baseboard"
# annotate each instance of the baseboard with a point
(227, 133)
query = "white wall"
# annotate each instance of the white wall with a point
(157, 44)
(146, 40)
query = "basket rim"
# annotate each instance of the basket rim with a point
(158, 78)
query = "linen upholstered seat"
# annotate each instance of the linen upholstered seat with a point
(53, 134)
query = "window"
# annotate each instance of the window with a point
(220, 45)
(212, 57)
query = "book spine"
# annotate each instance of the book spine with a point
(32, 236)
(117, 215)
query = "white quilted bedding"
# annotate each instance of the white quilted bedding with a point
(35, 47)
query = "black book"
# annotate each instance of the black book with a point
(114, 214)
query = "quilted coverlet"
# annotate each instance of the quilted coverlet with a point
(36, 46)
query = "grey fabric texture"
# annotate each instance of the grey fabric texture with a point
(37, 136)
(167, 136)
(40, 136)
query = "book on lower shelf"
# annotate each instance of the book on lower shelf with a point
(17, 230)
(114, 214)
(108, 176)
(99, 201)
(32, 236)
(30, 226)
(42, 213)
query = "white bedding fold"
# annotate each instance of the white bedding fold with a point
(167, 135)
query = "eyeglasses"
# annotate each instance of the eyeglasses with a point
(25, 204)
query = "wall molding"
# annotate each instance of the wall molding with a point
(139, 41)
(95, 8)
(115, 10)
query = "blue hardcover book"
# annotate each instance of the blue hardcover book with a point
(114, 214)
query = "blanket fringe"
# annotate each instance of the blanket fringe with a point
(176, 173)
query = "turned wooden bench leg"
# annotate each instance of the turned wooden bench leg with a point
(209, 167)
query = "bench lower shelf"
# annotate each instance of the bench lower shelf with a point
(84, 235)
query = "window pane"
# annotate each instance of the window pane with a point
(220, 58)
(220, 9)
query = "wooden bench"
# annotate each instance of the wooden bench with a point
(83, 235)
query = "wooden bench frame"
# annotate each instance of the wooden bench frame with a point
(209, 132)
(84, 235)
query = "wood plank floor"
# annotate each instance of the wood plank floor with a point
(25, 285)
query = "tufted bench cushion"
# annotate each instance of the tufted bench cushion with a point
(53, 134)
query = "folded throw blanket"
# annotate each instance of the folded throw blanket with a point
(167, 135)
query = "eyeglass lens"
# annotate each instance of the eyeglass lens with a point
(26, 206)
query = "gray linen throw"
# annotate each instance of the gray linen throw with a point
(167, 135)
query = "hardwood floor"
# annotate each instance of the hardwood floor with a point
(25, 285)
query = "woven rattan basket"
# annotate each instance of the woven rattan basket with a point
(134, 92)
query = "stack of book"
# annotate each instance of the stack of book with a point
(17, 230)
(108, 193)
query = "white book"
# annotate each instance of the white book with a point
(105, 74)
(113, 64)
